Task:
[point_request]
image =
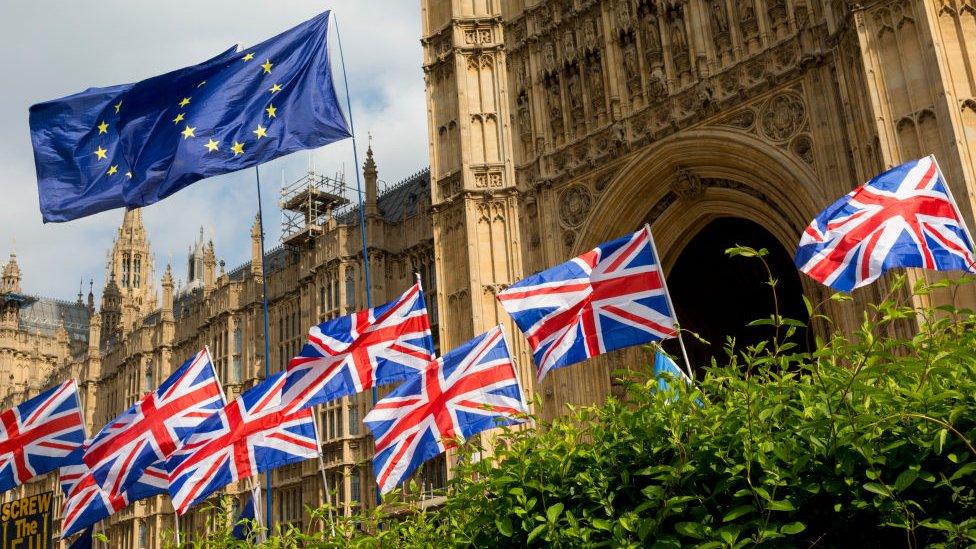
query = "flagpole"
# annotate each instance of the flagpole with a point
(667, 294)
(359, 195)
(325, 479)
(256, 499)
(176, 521)
(264, 299)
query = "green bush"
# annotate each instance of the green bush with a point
(868, 441)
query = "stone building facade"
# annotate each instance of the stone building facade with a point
(132, 342)
(558, 124)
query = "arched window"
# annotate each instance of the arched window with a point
(137, 271)
(126, 264)
(350, 289)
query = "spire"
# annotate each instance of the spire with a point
(257, 259)
(167, 308)
(91, 296)
(370, 175)
(132, 219)
(81, 286)
(10, 283)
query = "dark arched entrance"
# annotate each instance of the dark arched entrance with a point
(717, 296)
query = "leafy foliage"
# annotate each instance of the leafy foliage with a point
(867, 441)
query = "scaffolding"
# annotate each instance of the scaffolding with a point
(308, 206)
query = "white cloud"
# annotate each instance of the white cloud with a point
(53, 48)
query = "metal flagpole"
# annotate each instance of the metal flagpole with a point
(962, 220)
(667, 294)
(176, 521)
(264, 299)
(359, 195)
(256, 498)
(325, 478)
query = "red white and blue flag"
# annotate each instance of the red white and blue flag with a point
(37, 435)
(353, 353)
(905, 217)
(252, 434)
(152, 428)
(611, 297)
(471, 389)
(85, 503)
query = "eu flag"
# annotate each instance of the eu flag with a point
(135, 144)
(230, 113)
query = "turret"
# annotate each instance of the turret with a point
(370, 176)
(209, 268)
(112, 306)
(10, 282)
(257, 258)
(167, 309)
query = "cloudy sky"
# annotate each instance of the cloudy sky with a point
(54, 48)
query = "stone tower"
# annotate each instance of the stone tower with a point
(475, 203)
(130, 269)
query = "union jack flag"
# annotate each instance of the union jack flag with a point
(152, 428)
(611, 297)
(905, 217)
(469, 390)
(85, 503)
(37, 435)
(255, 433)
(353, 353)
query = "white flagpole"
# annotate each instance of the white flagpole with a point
(325, 478)
(256, 498)
(667, 294)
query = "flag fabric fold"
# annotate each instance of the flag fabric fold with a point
(252, 434)
(353, 353)
(152, 428)
(471, 389)
(85, 503)
(38, 435)
(606, 299)
(904, 217)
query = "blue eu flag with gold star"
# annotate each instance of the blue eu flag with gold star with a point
(234, 111)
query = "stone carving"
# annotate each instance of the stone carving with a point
(686, 184)
(524, 119)
(520, 77)
(574, 206)
(743, 119)
(657, 84)
(590, 39)
(598, 98)
(549, 57)
(569, 46)
(679, 42)
(575, 91)
(748, 24)
(624, 21)
(782, 117)
(802, 146)
(720, 24)
(631, 67)
(488, 180)
(555, 107)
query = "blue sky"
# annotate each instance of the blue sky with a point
(55, 48)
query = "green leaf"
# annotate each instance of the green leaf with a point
(793, 528)
(554, 510)
(876, 488)
(690, 529)
(536, 532)
(905, 479)
(738, 512)
(504, 526)
(602, 524)
(781, 505)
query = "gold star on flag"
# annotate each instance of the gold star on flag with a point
(100, 153)
(261, 131)
(178, 119)
(271, 111)
(211, 145)
(238, 148)
(275, 89)
(103, 127)
(118, 106)
(188, 132)
(185, 102)
(267, 66)
(248, 57)
(113, 169)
